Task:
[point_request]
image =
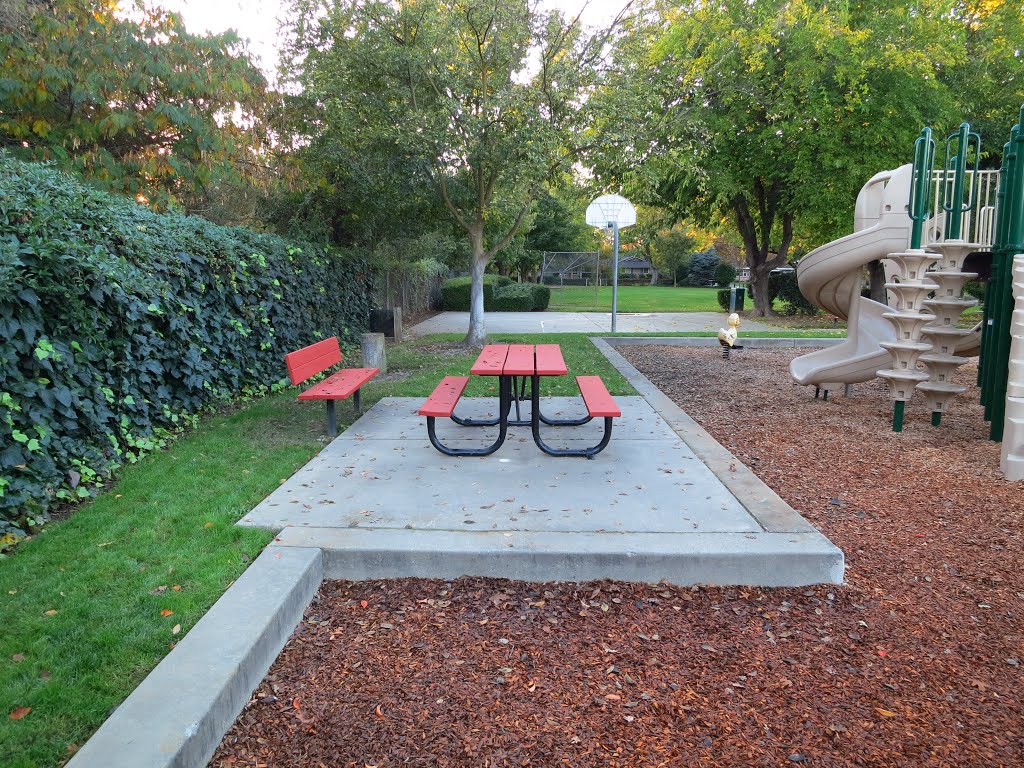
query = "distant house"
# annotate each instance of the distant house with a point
(635, 267)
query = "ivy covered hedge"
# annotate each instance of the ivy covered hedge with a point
(119, 325)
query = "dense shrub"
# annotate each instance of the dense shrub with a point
(783, 286)
(975, 289)
(541, 297)
(455, 292)
(120, 324)
(517, 297)
(725, 274)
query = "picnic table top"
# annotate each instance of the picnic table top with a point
(520, 360)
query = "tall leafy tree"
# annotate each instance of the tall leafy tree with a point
(483, 101)
(775, 108)
(128, 99)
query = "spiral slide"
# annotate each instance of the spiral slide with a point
(831, 278)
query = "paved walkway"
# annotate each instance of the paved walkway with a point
(584, 322)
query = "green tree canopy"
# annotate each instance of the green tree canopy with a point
(781, 107)
(483, 101)
(773, 113)
(130, 100)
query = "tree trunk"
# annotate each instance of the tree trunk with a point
(876, 273)
(756, 234)
(654, 276)
(477, 335)
(759, 290)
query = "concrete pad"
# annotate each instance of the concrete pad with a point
(662, 501)
(647, 484)
(680, 558)
(180, 712)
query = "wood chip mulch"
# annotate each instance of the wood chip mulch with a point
(915, 661)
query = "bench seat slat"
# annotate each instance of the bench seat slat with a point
(445, 396)
(341, 385)
(309, 361)
(596, 397)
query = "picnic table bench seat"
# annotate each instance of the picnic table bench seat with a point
(596, 397)
(441, 404)
(307, 362)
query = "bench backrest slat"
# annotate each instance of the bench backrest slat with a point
(309, 361)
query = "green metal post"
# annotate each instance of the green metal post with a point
(954, 205)
(897, 415)
(920, 186)
(999, 238)
(1002, 300)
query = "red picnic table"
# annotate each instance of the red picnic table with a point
(514, 364)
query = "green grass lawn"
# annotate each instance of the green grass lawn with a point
(635, 298)
(84, 604)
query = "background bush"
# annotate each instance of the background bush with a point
(541, 297)
(455, 292)
(120, 324)
(975, 289)
(702, 267)
(783, 286)
(517, 297)
(725, 274)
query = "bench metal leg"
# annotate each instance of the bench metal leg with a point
(535, 387)
(356, 402)
(588, 452)
(503, 406)
(332, 422)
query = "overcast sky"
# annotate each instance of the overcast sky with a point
(257, 19)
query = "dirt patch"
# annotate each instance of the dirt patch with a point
(915, 661)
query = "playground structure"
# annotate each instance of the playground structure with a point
(916, 343)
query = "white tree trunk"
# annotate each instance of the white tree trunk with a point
(477, 335)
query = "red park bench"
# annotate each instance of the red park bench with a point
(316, 358)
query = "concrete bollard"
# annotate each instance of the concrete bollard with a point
(373, 351)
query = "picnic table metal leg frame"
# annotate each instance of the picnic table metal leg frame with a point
(503, 413)
(503, 396)
(536, 421)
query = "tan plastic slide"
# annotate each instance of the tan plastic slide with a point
(831, 278)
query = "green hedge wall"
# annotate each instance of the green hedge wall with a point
(119, 325)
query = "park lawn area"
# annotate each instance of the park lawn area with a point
(634, 298)
(91, 604)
